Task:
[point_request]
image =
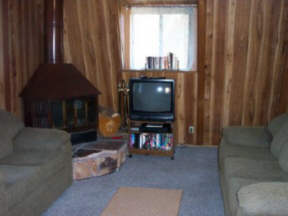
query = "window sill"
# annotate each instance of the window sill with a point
(156, 71)
(131, 3)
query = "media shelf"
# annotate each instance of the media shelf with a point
(151, 138)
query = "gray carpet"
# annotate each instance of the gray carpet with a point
(194, 170)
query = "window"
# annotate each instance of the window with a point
(158, 31)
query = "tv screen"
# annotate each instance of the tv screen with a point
(152, 99)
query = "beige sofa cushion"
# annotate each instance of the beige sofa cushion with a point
(267, 198)
(276, 124)
(278, 140)
(9, 127)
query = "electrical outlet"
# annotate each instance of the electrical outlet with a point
(191, 129)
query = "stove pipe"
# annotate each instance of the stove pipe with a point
(54, 31)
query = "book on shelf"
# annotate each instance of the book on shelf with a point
(169, 62)
(150, 141)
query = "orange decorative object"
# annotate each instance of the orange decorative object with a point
(109, 122)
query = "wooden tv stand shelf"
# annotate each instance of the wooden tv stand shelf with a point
(151, 138)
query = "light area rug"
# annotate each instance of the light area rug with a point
(131, 201)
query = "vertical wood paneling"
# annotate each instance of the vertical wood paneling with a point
(22, 34)
(91, 43)
(283, 105)
(277, 71)
(246, 59)
(229, 60)
(208, 68)
(252, 63)
(273, 53)
(244, 81)
(2, 83)
(242, 17)
(190, 111)
(218, 69)
(263, 64)
(244, 69)
(180, 107)
(200, 90)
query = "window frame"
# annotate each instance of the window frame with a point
(161, 11)
(125, 13)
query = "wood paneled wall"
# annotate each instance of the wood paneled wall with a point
(283, 105)
(22, 42)
(246, 69)
(92, 44)
(246, 52)
(2, 86)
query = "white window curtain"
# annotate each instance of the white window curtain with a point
(157, 31)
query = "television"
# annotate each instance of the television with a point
(151, 99)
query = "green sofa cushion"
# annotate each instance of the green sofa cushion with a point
(24, 172)
(279, 140)
(47, 160)
(9, 127)
(253, 169)
(3, 200)
(19, 182)
(238, 151)
(40, 139)
(266, 198)
(283, 158)
(276, 124)
(233, 186)
(247, 136)
(227, 150)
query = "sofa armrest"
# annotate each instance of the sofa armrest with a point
(41, 139)
(262, 199)
(247, 136)
(1, 184)
(3, 201)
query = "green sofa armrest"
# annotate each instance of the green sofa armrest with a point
(41, 139)
(247, 136)
(263, 199)
(3, 202)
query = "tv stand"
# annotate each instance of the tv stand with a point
(151, 138)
